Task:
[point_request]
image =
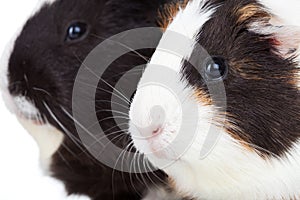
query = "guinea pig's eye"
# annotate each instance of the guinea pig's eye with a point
(76, 31)
(216, 68)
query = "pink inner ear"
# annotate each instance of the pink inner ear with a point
(275, 42)
(285, 37)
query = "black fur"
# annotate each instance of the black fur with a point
(49, 62)
(262, 95)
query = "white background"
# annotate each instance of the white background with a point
(20, 175)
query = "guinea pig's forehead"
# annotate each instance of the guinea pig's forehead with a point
(62, 11)
(231, 18)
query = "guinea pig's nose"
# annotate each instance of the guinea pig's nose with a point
(158, 115)
(17, 77)
(157, 121)
(16, 88)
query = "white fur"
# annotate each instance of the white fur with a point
(230, 171)
(25, 107)
(233, 172)
(48, 139)
(160, 194)
(187, 22)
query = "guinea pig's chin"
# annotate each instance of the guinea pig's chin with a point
(48, 139)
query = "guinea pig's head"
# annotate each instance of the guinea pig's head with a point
(42, 62)
(243, 84)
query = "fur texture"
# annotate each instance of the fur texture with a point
(258, 153)
(42, 66)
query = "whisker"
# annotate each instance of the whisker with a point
(112, 140)
(73, 138)
(139, 170)
(135, 173)
(154, 174)
(105, 136)
(123, 45)
(69, 150)
(114, 168)
(42, 90)
(107, 91)
(64, 160)
(109, 85)
(108, 118)
(118, 125)
(113, 111)
(112, 102)
(130, 72)
(79, 124)
(114, 117)
(146, 164)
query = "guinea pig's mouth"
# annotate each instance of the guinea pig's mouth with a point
(24, 109)
(35, 119)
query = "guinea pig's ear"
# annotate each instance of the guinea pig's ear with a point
(286, 38)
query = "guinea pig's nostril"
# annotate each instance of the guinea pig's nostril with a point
(157, 131)
(16, 88)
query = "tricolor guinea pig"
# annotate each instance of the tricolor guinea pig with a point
(39, 69)
(218, 106)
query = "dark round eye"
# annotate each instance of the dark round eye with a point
(216, 68)
(77, 31)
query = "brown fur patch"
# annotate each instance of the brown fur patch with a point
(202, 97)
(233, 130)
(168, 13)
(241, 68)
(252, 11)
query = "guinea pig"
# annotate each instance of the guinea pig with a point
(218, 105)
(40, 67)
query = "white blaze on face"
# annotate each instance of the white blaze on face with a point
(156, 111)
(230, 171)
(47, 137)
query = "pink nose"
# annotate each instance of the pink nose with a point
(157, 131)
(157, 117)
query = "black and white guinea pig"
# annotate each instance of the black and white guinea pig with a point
(40, 67)
(222, 117)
